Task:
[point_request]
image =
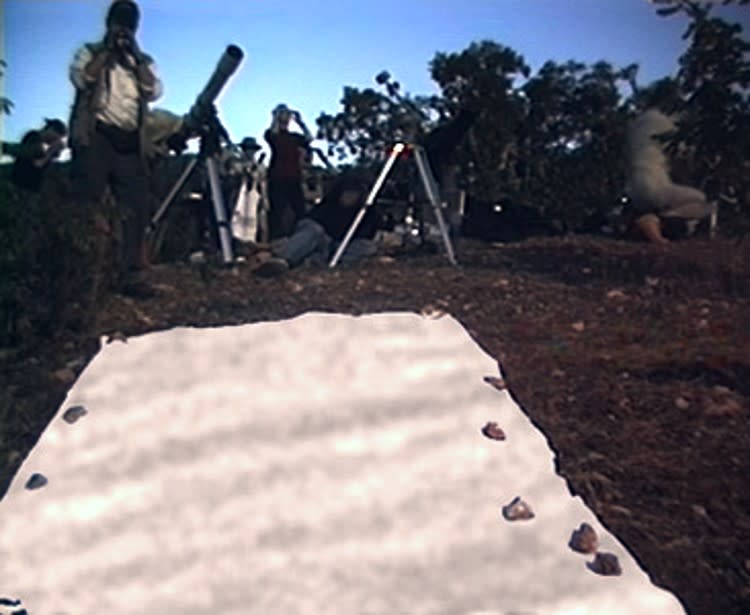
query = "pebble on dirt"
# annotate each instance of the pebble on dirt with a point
(493, 432)
(65, 375)
(74, 413)
(518, 510)
(36, 481)
(616, 294)
(584, 539)
(605, 564)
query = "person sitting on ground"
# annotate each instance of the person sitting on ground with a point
(658, 204)
(318, 235)
(36, 152)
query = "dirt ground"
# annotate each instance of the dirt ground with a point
(633, 359)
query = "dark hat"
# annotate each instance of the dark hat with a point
(123, 13)
(281, 108)
(55, 125)
(249, 143)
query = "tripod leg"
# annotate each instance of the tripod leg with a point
(397, 149)
(225, 236)
(713, 220)
(345, 242)
(171, 196)
(428, 180)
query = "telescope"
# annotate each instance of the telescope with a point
(203, 107)
(393, 88)
(202, 121)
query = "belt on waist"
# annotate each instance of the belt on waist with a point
(123, 141)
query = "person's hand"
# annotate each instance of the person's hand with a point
(110, 40)
(135, 50)
(55, 149)
(296, 116)
(178, 141)
(125, 43)
(124, 39)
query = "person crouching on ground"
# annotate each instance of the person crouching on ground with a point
(36, 152)
(659, 205)
(318, 235)
(114, 82)
(288, 150)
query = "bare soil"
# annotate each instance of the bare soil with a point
(633, 359)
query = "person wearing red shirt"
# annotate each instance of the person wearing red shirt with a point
(288, 150)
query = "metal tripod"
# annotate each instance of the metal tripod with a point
(210, 149)
(430, 188)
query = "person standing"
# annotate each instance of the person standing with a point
(115, 81)
(288, 150)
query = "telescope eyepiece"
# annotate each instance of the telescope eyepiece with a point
(382, 77)
(234, 52)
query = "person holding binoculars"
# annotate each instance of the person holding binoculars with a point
(115, 81)
(288, 150)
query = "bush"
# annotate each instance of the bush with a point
(53, 262)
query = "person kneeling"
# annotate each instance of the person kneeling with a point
(660, 208)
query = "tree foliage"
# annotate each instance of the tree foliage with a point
(371, 121)
(483, 78)
(49, 255)
(714, 83)
(572, 138)
(6, 105)
(554, 140)
(532, 135)
(691, 7)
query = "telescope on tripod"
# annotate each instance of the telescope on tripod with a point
(407, 147)
(202, 122)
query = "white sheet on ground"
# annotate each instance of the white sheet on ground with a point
(326, 464)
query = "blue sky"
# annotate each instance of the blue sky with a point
(303, 52)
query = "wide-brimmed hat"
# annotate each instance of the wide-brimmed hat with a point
(250, 143)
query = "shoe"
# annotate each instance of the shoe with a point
(197, 258)
(272, 267)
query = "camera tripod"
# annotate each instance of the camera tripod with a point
(430, 188)
(210, 147)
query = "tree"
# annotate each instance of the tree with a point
(6, 105)
(371, 121)
(714, 80)
(572, 139)
(670, 7)
(553, 143)
(482, 78)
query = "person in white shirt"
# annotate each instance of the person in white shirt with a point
(115, 81)
(659, 204)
